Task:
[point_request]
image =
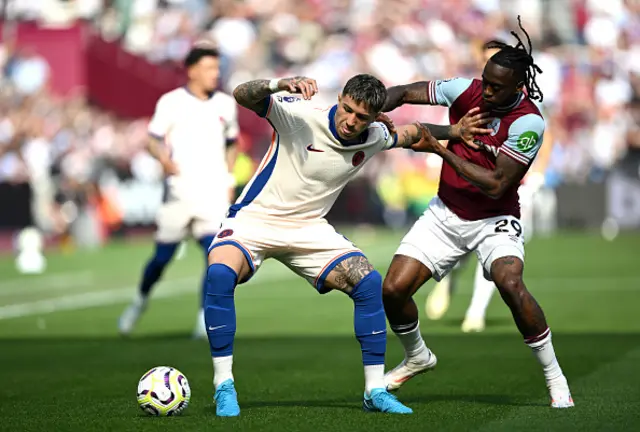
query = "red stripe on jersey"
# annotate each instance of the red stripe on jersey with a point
(514, 155)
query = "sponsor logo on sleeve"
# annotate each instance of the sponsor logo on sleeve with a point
(527, 141)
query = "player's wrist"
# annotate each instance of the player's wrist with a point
(455, 131)
(274, 85)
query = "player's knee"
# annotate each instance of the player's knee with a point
(394, 289)
(369, 287)
(221, 280)
(511, 285)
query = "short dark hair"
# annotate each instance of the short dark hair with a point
(199, 52)
(519, 59)
(367, 89)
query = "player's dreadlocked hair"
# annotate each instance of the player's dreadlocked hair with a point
(520, 60)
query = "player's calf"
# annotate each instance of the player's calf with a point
(152, 273)
(506, 272)
(356, 277)
(405, 276)
(227, 263)
(529, 317)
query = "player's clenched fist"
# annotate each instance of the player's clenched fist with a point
(307, 87)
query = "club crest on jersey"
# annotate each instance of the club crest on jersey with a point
(225, 233)
(358, 158)
(494, 125)
(288, 99)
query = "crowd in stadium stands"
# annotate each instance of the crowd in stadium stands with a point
(589, 51)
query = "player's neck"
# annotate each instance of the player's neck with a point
(198, 92)
(511, 103)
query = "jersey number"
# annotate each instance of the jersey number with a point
(502, 226)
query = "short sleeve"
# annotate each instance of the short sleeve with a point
(161, 121)
(384, 138)
(445, 92)
(283, 112)
(525, 139)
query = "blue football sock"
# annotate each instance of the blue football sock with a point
(205, 242)
(220, 310)
(369, 319)
(156, 265)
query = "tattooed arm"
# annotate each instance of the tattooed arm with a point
(408, 135)
(348, 273)
(254, 94)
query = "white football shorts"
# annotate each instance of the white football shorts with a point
(439, 239)
(311, 249)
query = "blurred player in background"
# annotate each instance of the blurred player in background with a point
(476, 209)
(439, 298)
(193, 135)
(316, 151)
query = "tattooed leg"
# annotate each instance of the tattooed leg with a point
(507, 274)
(348, 273)
(356, 277)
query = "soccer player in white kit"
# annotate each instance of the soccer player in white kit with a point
(315, 151)
(193, 135)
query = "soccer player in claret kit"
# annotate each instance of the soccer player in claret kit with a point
(315, 151)
(476, 208)
(193, 135)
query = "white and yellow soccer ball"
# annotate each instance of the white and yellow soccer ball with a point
(163, 391)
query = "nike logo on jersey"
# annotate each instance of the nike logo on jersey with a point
(311, 148)
(211, 328)
(378, 332)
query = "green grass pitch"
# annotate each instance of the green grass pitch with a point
(297, 364)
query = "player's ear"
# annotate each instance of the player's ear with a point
(339, 97)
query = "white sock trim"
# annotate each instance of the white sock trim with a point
(373, 378)
(222, 369)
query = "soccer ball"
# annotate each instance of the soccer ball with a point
(163, 391)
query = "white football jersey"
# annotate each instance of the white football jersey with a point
(307, 164)
(197, 133)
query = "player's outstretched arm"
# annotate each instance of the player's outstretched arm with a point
(493, 183)
(470, 125)
(415, 93)
(253, 94)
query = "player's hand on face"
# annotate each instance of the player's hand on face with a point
(427, 143)
(307, 87)
(471, 125)
(383, 118)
